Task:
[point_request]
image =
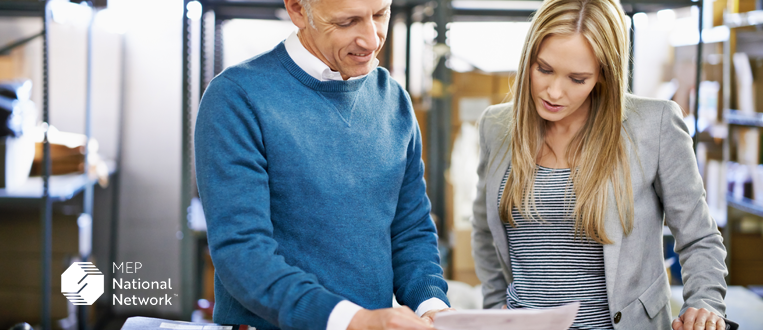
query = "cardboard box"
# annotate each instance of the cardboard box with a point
(20, 251)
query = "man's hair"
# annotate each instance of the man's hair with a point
(308, 5)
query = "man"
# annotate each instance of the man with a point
(308, 162)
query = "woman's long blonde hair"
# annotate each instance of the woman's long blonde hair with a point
(597, 154)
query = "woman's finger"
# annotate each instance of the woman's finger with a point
(677, 324)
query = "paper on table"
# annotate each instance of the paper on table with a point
(560, 318)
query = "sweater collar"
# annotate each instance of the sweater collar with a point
(311, 64)
(313, 83)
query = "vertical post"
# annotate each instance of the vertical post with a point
(84, 222)
(631, 53)
(218, 57)
(47, 214)
(726, 91)
(698, 78)
(439, 118)
(203, 78)
(408, 24)
(387, 44)
(186, 236)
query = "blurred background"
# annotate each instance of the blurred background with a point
(115, 84)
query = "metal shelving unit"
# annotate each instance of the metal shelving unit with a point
(737, 22)
(48, 189)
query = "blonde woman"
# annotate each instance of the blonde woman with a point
(575, 178)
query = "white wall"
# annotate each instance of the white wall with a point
(151, 173)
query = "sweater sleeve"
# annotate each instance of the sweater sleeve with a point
(232, 176)
(415, 257)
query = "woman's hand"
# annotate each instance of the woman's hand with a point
(699, 319)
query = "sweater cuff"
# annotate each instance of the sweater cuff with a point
(342, 314)
(429, 305)
(313, 310)
(419, 292)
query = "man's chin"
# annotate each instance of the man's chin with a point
(358, 72)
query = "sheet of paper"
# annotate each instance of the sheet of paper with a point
(559, 318)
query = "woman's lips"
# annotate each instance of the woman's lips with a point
(552, 107)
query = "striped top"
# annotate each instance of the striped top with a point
(551, 266)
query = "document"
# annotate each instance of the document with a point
(558, 318)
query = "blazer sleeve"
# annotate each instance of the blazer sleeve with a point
(486, 263)
(699, 244)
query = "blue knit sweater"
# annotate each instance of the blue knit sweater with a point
(313, 193)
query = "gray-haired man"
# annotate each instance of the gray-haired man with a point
(309, 169)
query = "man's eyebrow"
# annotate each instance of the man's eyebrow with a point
(341, 18)
(577, 74)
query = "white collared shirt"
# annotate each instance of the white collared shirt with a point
(344, 311)
(311, 64)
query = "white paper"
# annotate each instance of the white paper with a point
(559, 318)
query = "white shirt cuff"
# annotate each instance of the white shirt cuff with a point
(342, 315)
(430, 304)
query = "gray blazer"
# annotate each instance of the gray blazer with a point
(666, 183)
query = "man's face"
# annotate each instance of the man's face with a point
(348, 34)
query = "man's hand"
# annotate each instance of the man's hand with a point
(699, 319)
(400, 318)
(428, 317)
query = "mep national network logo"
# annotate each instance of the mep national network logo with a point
(82, 283)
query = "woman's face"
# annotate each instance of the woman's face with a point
(562, 78)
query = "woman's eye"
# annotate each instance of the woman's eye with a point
(541, 70)
(578, 81)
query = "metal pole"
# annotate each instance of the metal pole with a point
(47, 214)
(408, 24)
(186, 236)
(439, 120)
(698, 79)
(218, 56)
(85, 220)
(631, 53)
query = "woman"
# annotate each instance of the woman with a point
(602, 168)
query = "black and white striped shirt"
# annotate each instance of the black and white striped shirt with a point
(550, 265)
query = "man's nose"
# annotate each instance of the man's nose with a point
(369, 36)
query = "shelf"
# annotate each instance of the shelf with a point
(62, 187)
(750, 18)
(735, 117)
(24, 8)
(745, 205)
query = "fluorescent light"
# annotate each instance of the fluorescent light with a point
(640, 20)
(194, 10)
(111, 21)
(65, 12)
(497, 5)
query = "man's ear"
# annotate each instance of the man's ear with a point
(296, 13)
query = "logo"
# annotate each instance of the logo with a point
(82, 283)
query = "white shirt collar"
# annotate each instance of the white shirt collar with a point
(311, 64)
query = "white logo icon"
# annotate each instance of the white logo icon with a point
(82, 283)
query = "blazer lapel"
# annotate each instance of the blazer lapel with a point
(496, 171)
(612, 251)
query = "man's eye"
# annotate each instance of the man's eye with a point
(345, 24)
